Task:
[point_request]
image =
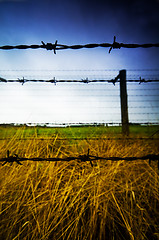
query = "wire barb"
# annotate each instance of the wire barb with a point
(11, 159)
(85, 80)
(49, 46)
(55, 45)
(115, 80)
(53, 81)
(22, 81)
(85, 158)
(115, 45)
(142, 80)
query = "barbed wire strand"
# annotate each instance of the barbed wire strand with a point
(82, 158)
(56, 46)
(55, 81)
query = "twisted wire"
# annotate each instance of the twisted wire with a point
(82, 158)
(56, 46)
(114, 81)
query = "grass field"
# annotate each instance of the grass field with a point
(73, 200)
(76, 132)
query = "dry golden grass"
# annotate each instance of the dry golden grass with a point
(72, 200)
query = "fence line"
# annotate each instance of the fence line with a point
(55, 81)
(82, 158)
(56, 46)
(140, 99)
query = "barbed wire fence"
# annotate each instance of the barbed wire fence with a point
(133, 94)
(55, 81)
(115, 45)
(147, 98)
(56, 46)
(81, 158)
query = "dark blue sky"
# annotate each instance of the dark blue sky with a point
(79, 22)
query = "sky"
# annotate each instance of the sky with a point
(72, 22)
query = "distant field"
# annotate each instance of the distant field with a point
(76, 132)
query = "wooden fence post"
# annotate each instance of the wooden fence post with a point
(123, 102)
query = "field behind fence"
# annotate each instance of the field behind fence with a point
(86, 180)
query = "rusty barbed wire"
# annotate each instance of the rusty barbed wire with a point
(56, 46)
(82, 158)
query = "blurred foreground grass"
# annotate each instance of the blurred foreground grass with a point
(72, 200)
